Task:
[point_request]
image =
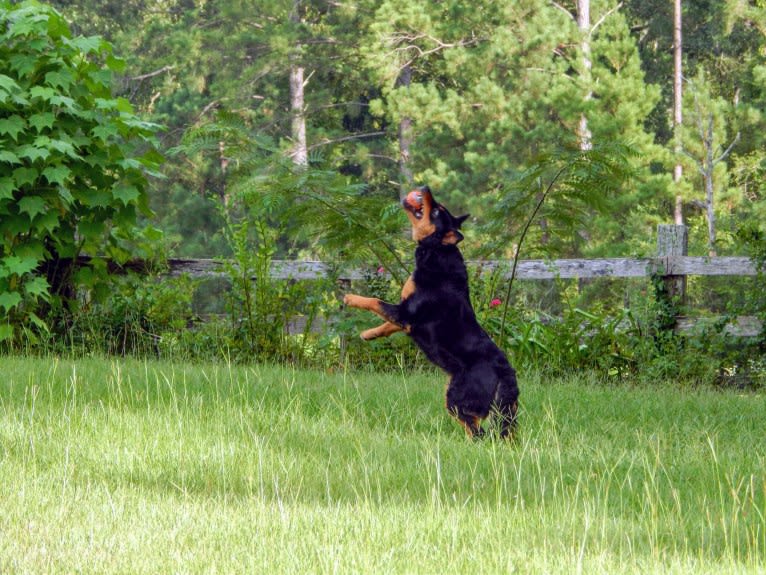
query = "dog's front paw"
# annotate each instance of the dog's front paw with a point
(351, 300)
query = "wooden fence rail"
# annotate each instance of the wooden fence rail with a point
(671, 263)
(526, 269)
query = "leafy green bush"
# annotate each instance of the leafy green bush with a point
(74, 162)
(576, 339)
(141, 316)
(261, 308)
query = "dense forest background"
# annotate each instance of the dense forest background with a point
(462, 96)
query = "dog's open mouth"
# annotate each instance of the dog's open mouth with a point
(413, 202)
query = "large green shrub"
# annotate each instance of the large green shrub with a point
(73, 163)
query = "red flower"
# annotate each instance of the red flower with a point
(495, 302)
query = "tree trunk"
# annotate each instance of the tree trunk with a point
(405, 134)
(710, 214)
(298, 130)
(678, 215)
(224, 162)
(706, 167)
(583, 25)
(707, 176)
(298, 126)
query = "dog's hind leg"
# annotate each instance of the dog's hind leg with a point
(469, 408)
(471, 423)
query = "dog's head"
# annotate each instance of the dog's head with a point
(431, 220)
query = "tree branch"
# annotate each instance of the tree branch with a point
(346, 139)
(728, 150)
(409, 39)
(207, 108)
(604, 17)
(143, 77)
(700, 165)
(564, 10)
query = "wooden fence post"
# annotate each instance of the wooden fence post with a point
(673, 241)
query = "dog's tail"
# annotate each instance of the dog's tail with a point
(507, 401)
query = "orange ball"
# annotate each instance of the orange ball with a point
(415, 199)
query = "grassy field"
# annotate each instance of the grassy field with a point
(116, 466)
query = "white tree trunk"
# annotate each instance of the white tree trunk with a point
(678, 214)
(583, 25)
(299, 153)
(706, 168)
(405, 134)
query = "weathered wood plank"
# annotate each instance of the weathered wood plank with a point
(194, 267)
(626, 267)
(308, 270)
(745, 326)
(526, 269)
(572, 268)
(742, 326)
(280, 269)
(719, 266)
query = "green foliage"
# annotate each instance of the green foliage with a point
(261, 308)
(314, 211)
(563, 189)
(753, 237)
(492, 86)
(577, 340)
(74, 165)
(622, 329)
(140, 317)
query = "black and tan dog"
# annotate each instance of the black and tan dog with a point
(435, 310)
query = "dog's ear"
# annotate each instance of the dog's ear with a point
(460, 219)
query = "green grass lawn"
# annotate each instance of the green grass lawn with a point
(117, 466)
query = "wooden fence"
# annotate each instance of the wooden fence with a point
(526, 270)
(671, 263)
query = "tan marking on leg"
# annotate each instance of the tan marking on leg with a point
(369, 303)
(383, 330)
